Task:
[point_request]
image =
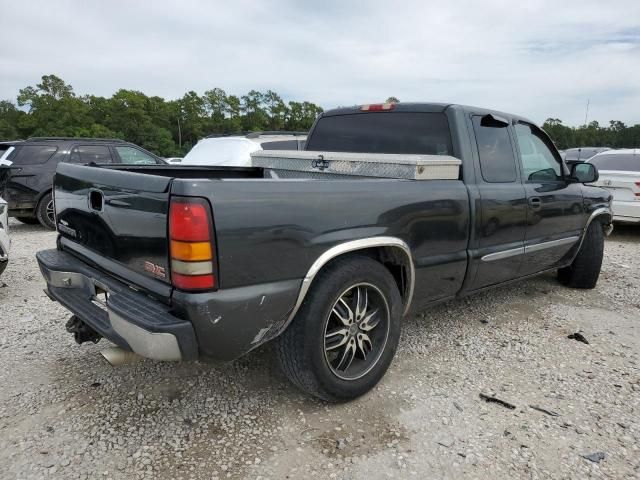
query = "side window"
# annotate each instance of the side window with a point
(133, 156)
(85, 154)
(497, 162)
(33, 154)
(539, 163)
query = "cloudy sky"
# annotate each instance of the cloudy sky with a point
(539, 59)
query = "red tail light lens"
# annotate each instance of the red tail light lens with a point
(193, 266)
(193, 282)
(189, 220)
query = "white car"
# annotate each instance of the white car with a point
(173, 159)
(236, 150)
(620, 174)
(4, 235)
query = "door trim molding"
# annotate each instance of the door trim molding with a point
(551, 244)
(512, 252)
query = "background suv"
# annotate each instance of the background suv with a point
(26, 174)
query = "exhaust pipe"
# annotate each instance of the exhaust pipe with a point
(117, 356)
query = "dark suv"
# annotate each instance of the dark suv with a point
(26, 183)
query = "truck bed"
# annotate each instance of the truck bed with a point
(268, 232)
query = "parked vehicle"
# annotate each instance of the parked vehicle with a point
(229, 258)
(5, 243)
(173, 159)
(235, 150)
(620, 175)
(582, 154)
(26, 177)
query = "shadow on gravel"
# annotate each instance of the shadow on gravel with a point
(15, 226)
(625, 233)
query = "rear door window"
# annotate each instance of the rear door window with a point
(497, 161)
(383, 132)
(133, 156)
(85, 154)
(621, 162)
(33, 154)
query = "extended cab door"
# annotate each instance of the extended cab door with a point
(499, 229)
(555, 210)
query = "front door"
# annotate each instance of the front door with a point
(555, 210)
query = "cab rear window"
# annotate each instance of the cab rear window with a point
(383, 132)
(33, 154)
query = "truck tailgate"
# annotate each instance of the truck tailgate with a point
(116, 220)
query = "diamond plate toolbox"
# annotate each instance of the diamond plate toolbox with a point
(410, 167)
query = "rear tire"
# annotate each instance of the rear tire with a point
(585, 269)
(28, 220)
(345, 335)
(45, 212)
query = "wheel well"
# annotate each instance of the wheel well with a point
(394, 259)
(41, 196)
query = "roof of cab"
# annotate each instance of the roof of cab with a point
(426, 107)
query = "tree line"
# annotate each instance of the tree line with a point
(172, 127)
(615, 135)
(165, 127)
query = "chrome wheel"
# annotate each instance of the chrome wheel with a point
(51, 214)
(356, 331)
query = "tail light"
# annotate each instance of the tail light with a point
(378, 107)
(192, 249)
(637, 194)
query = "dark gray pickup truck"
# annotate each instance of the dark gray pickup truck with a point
(176, 263)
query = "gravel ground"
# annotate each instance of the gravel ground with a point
(65, 413)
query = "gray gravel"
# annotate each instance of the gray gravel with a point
(65, 413)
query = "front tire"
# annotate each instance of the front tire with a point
(345, 335)
(585, 269)
(45, 212)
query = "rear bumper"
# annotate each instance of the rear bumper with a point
(128, 318)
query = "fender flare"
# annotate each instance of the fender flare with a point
(354, 246)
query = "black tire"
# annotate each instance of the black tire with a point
(44, 212)
(28, 220)
(303, 351)
(585, 269)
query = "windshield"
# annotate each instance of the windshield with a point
(234, 152)
(383, 132)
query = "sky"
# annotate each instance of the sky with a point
(538, 59)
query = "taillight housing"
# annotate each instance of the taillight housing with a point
(194, 266)
(378, 107)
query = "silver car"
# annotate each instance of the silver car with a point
(4, 235)
(620, 174)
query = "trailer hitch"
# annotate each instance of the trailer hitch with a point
(81, 331)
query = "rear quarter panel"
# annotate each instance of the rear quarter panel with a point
(273, 230)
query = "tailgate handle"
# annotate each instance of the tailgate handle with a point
(96, 200)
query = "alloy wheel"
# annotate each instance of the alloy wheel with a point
(356, 331)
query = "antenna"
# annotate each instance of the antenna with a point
(586, 114)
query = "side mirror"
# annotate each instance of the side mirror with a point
(584, 172)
